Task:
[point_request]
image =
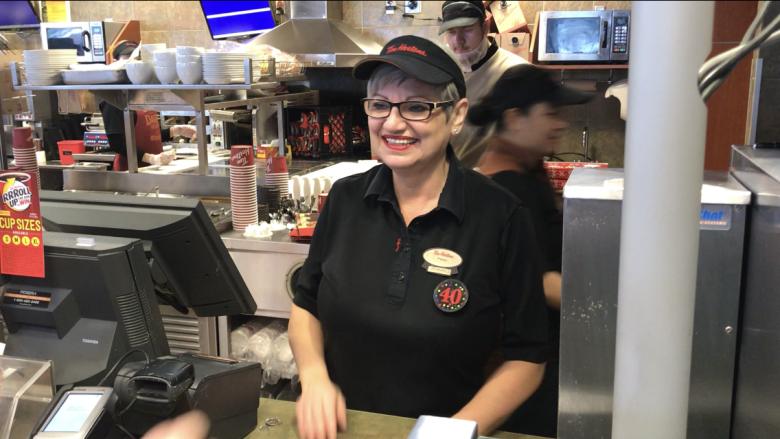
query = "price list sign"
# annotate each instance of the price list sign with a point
(21, 234)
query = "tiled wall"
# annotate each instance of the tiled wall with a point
(768, 123)
(601, 116)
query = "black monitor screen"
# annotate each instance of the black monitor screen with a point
(18, 15)
(237, 18)
(188, 260)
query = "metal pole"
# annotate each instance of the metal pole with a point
(660, 219)
(203, 145)
(132, 155)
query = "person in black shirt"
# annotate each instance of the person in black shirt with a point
(524, 104)
(415, 267)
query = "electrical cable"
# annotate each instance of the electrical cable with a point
(125, 431)
(127, 354)
(124, 410)
(714, 72)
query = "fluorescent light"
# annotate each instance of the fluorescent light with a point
(231, 14)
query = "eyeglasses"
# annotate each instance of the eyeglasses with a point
(409, 110)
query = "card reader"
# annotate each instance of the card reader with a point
(78, 413)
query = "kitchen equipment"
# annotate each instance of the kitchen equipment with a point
(317, 34)
(591, 250)
(319, 131)
(90, 39)
(584, 36)
(620, 90)
(758, 373)
(147, 51)
(44, 67)
(69, 147)
(81, 77)
(140, 72)
(190, 72)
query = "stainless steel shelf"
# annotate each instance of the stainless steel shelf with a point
(255, 101)
(119, 87)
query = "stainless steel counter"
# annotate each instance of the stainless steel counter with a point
(268, 266)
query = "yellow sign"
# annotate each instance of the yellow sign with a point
(56, 12)
(7, 239)
(26, 240)
(16, 240)
(36, 242)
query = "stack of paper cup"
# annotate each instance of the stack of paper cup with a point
(243, 186)
(276, 174)
(24, 152)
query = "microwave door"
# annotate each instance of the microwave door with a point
(67, 38)
(574, 36)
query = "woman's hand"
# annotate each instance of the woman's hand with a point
(321, 410)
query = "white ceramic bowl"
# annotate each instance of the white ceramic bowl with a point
(189, 58)
(165, 54)
(189, 50)
(166, 74)
(165, 63)
(140, 72)
(147, 50)
(189, 73)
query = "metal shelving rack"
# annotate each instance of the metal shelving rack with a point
(158, 97)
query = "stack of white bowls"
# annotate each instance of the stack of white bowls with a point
(147, 51)
(165, 66)
(140, 72)
(228, 68)
(44, 67)
(189, 64)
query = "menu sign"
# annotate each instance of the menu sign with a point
(21, 234)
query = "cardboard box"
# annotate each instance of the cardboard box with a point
(509, 18)
(517, 43)
(15, 106)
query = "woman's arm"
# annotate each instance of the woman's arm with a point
(552, 289)
(509, 386)
(321, 410)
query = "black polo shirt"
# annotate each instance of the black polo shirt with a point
(387, 345)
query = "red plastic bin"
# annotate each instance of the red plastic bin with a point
(68, 148)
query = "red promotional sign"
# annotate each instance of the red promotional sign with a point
(21, 234)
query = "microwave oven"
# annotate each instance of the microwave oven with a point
(91, 39)
(584, 36)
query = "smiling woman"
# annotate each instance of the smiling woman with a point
(415, 266)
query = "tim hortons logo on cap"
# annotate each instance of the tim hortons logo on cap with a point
(406, 48)
(453, 12)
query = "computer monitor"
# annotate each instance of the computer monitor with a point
(189, 263)
(94, 304)
(231, 19)
(18, 15)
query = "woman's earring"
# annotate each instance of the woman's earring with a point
(455, 131)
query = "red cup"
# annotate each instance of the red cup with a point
(68, 148)
(276, 165)
(321, 201)
(241, 156)
(23, 138)
(271, 151)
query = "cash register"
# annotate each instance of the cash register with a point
(108, 258)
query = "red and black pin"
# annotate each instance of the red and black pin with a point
(451, 295)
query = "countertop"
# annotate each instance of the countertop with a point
(360, 425)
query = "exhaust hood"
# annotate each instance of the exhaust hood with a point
(316, 34)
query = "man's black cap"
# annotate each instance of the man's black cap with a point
(420, 58)
(523, 86)
(124, 48)
(460, 14)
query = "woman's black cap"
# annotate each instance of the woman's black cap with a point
(420, 58)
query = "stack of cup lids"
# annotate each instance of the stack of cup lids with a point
(276, 174)
(269, 195)
(262, 213)
(243, 186)
(24, 152)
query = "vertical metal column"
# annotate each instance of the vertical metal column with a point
(660, 219)
(132, 155)
(3, 146)
(203, 146)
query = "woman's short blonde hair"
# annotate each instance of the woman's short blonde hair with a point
(389, 74)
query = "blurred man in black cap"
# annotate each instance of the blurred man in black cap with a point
(148, 136)
(466, 32)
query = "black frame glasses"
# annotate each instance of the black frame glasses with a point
(404, 108)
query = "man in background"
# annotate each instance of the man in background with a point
(465, 31)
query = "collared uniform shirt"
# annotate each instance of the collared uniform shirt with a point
(472, 141)
(387, 345)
